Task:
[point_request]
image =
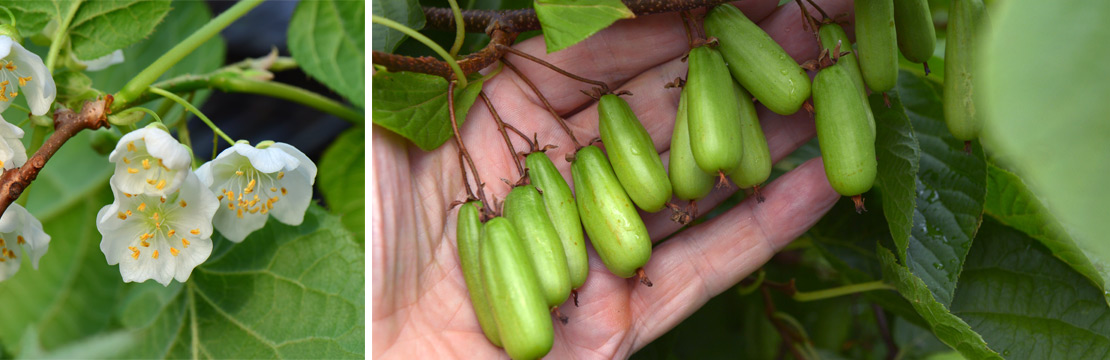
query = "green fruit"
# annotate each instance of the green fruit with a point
(524, 208)
(713, 119)
(755, 166)
(563, 212)
(688, 180)
(757, 61)
(615, 228)
(637, 164)
(914, 24)
(830, 35)
(847, 145)
(960, 113)
(878, 45)
(467, 234)
(514, 293)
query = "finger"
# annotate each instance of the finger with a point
(628, 47)
(786, 27)
(703, 261)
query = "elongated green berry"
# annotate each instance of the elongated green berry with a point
(755, 166)
(831, 35)
(467, 236)
(563, 212)
(914, 24)
(847, 145)
(637, 164)
(714, 120)
(688, 180)
(615, 228)
(757, 61)
(514, 293)
(524, 208)
(878, 45)
(960, 112)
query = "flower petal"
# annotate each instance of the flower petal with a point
(39, 89)
(306, 165)
(102, 62)
(290, 210)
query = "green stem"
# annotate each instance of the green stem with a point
(291, 93)
(59, 35)
(840, 291)
(426, 41)
(143, 109)
(193, 109)
(20, 107)
(460, 29)
(141, 82)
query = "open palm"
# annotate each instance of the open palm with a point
(420, 304)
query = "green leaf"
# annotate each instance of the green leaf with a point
(284, 292)
(107, 345)
(566, 22)
(1046, 113)
(783, 2)
(342, 180)
(1027, 304)
(327, 39)
(951, 189)
(1010, 202)
(65, 299)
(414, 105)
(949, 328)
(406, 12)
(187, 16)
(32, 16)
(73, 88)
(103, 26)
(899, 155)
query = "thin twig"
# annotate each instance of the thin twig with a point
(462, 147)
(784, 332)
(466, 183)
(884, 330)
(531, 145)
(604, 87)
(501, 128)
(543, 99)
(809, 22)
(685, 15)
(67, 123)
(824, 16)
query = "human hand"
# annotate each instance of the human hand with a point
(420, 304)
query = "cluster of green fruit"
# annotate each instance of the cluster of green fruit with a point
(522, 266)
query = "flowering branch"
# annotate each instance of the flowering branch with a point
(67, 123)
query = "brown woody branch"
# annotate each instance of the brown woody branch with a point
(67, 123)
(503, 26)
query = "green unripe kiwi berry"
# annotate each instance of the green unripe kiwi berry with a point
(618, 234)
(713, 119)
(831, 35)
(688, 180)
(514, 293)
(878, 45)
(563, 212)
(755, 166)
(633, 155)
(917, 38)
(960, 113)
(467, 236)
(524, 208)
(847, 146)
(757, 61)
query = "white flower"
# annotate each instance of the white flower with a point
(158, 237)
(12, 152)
(254, 182)
(22, 68)
(102, 62)
(19, 228)
(150, 161)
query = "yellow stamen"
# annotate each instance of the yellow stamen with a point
(239, 213)
(273, 189)
(171, 232)
(13, 94)
(146, 164)
(155, 254)
(23, 80)
(155, 217)
(125, 161)
(134, 252)
(10, 66)
(283, 191)
(128, 212)
(2, 243)
(142, 206)
(19, 240)
(195, 231)
(238, 173)
(122, 216)
(161, 185)
(185, 243)
(132, 170)
(131, 146)
(174, 251)
(182, 203)
(281, 174)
